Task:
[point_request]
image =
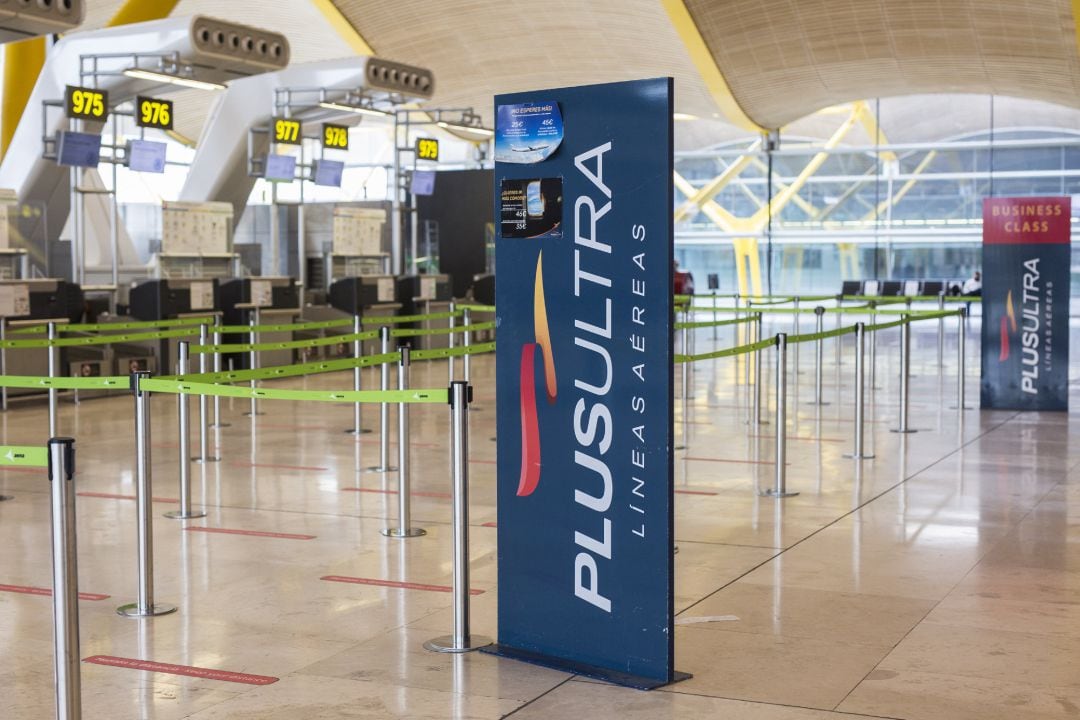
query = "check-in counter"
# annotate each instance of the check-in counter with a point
(266, 301)
(369, 296)
(26, 303)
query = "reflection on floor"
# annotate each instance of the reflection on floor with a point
(938, 580)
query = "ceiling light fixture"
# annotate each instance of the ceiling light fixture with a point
(153, 76)
(679, 117)
(353, 109)
(467, 128)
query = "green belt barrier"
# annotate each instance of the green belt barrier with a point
(477, 308)
(460, 329)
(284, 327)
(825, 334)
(98, 339)
(920, 314)
(286, 345)
(283, 371)
(97, 327)
(181, 387)
(396, 319)
(729, 352)
(439, 353)
(65, 383)
(885, 326)
(916, 298)
(24, 456)
(714, 323)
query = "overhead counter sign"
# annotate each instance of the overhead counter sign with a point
(427, 149)
(584, 369)
(86, 103)
(154, 113)
(335, 137)
(1025, 303)
(286, 131)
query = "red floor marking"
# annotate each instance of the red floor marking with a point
(30, 590)
(115, 496)
(281, 467)
(417, 493)
(394, 584)
(186, 670)
(483, 462)
(252, 533)
(489, 524)
(790, 437)
(741, 462)
(695, 492)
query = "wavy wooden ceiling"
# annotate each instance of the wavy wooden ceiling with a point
(784, 59)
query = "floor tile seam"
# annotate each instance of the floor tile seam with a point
(724, 544)
(852, 511)
(674, 690)
(952, 589)
(527, 703)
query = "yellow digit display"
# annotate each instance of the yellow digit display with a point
(86, 103)
(427, 149)
(286, 131)
(335, 136)
(154, 113)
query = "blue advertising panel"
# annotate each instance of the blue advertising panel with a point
(1025, 303)
(584, 370)
(78, 149)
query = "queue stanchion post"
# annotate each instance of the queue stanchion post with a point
(873, 348)
(384, 407)
(217, 368)
(357, 328)
(466, 341)
(461, 640)
(859, 453)
(253, 362)
(819, 356)
(404, 527)
(183, 405)
(65, 578)
(795, 328)
(905, 375)
(684, 380)
(3, 363)
(756, 416)
(450, 342)
(714, 310)
(780, 489)
(941, 332)
(144, 606)
(205, 454)
(54, 410)
(961, 360)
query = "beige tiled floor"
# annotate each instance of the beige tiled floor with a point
(936, 581)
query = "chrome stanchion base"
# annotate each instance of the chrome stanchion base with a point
(178, 515)
(853, 456)
(202, 460)
(219, 425)
(352, 431)
(445, 644)
(774, 494)
(815, 403)
(903, 432)
(6, 497)
(131, 610)
(255, 414)
(377, 469)
(399, 533)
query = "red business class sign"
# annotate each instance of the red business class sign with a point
(1015, 221)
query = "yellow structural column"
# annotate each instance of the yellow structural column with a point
(23, 61)
(137, 11)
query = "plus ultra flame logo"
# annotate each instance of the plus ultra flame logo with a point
(530, 422)
(1008, 327)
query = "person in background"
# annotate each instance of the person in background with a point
(973, 285)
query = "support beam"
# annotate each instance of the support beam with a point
(707, 192)
(23, 61)
(345, 29)
(703, 59)
(137, 11)
(904, 189)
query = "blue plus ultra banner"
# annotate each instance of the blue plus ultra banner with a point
(1025, 304)
(584, 372)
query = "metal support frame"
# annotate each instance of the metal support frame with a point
(461, 640)
(144, 606)
(253, 362)
(217, 368)
(451, 342)
(404, 527)
(466, 341)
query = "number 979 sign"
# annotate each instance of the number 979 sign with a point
(427, 149)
